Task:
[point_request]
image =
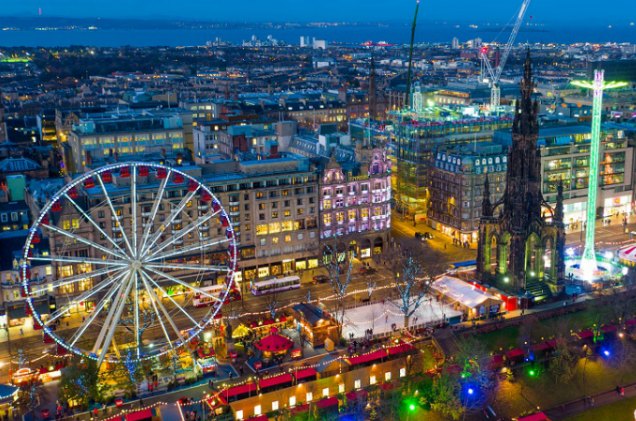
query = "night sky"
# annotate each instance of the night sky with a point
(573, 11)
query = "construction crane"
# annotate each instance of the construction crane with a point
(407, 99)
(495, 74)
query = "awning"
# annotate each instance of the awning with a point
(539, 416)
(305, 373)
(609, 329)
(586, 334)
(401, 349)
(300, 408)
(261, 417)
(631, 322)
(17, 311)
(515, 353)
(544, 346)
(327, 402)
(276, 381)
(144, 414)
(496, 362)
(243, 389)
(357, 394)
(367, 358)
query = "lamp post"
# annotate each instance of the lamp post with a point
(598, 85)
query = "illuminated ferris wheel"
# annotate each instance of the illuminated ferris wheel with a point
(134, 246)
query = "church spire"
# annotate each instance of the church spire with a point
(558, 209)
(526, 110)
(486, 205)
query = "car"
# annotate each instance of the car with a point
(321, 279)
(424, 235)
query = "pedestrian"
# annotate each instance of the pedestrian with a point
(21, 332)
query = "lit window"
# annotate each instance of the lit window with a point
(310, 396)
(288, 238)
(372, 380)
(275, 406)
(274, 240)
(402, 372)
(387, 376)
(357, 384)
(341, 388)
(257, 410)
(75, 223)
(325, 392)
(239, 414)
(292, 401)
(66, 224)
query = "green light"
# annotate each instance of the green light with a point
(532, 373)
(412, 407)
(598, 85)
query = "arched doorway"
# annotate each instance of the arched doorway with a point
(378, 245)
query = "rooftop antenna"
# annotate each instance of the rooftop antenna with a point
(407, 99)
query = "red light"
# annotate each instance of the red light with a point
(484, 50)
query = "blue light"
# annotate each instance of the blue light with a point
(470, 391)
(606, 353)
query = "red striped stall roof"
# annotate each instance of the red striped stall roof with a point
(609, 328)
(539, 416)
(327, 402)
(238, 390)
(401, 348)
(367, 358)
(300, 408)
(261, 417)
(515, 353)
(586, 334)
(631, 322)
(304, 373)
(144, 414)
(276, 380)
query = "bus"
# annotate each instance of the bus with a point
(275, 285)
(201, 300)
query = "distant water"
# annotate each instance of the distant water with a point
(392, 33)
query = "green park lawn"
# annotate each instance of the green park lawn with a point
(619, 411)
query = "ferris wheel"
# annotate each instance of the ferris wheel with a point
(133, 245)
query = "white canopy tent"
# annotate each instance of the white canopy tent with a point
(468, 297)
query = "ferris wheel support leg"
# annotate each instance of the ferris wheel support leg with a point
(154, 306)
(113, 325)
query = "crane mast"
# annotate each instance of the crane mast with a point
(495, 74)
(407, 99)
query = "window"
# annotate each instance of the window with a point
(274, 214)
(275, 406)
(4, 217)
(257, 410)
(292, 401)
(274, 227)
(261, 206)
(261, 216)
(75, 223)
(357, 384)
(325, 392)
(403, 372)
(288, 238)
(387, 376)
(66, 224)
(299, 202)
(287, 213)
(286, 203)
(310, 396)
(239, 414)
(341, 388)
(372, 380)
(300, 211)
(274, 240)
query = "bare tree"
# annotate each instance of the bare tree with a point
(340, 268)
(410, 286)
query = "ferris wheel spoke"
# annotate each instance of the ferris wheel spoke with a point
(155, 208)
(174, 302)
(188, 249)
(133, 204)
(182, 234)
(83, 240)
(182, 283)
(95, 224)
(66, 259)
(114, 213)
(157, 300)
(114, 322)
(89, 321)
(136, 311)
(159, 316)
(180, 266)
(85, 296)
(173, 214)
(68, 281)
